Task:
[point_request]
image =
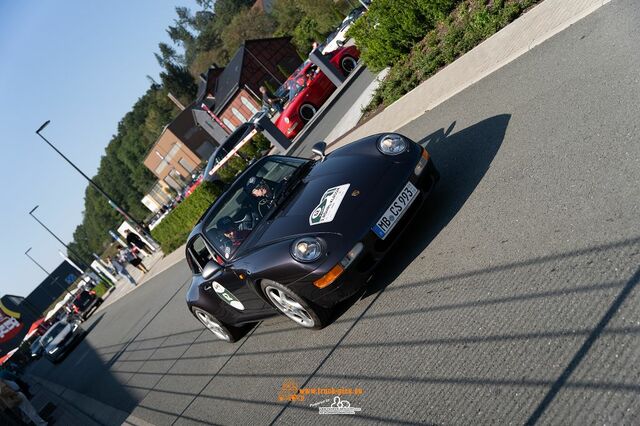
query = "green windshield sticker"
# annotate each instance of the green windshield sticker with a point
(329, 204)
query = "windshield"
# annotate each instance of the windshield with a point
(52, 333)
(247, 201)
(298, 81)
(36, 345)
(83, 299)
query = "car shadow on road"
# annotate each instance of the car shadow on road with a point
(462, 158)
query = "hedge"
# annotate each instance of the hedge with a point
(390, 29)
(174, 229)
(452, 35)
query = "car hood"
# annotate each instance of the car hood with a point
(60, 337)
(345, 194)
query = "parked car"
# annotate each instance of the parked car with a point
(36, 348)
(238, 135)
(296, 236)
(308, 88)
(339, 37)
(85, 303)
(60, 339)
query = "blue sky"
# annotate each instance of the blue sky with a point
(81, 65)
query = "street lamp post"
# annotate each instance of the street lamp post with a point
(95, 185)
(34, 261)
(84, 265)
(55, 279)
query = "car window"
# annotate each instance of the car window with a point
(199, 252)
(238, 211)
(52, 333)
(36, 345)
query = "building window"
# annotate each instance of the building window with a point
(249, 105)
(238, 115)
(188, 165)
(161, 167)
(228, 124)
(172, 183)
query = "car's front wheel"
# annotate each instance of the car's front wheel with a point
(295, 307)
(220, 330)
(348, 64)
(307, 111)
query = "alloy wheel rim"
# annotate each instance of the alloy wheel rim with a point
(213, 326)
(290, 307)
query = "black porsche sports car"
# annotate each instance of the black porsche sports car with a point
(298, 236)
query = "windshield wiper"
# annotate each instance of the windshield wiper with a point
(290, 186)
(292, 181)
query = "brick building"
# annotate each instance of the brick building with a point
(234, 89)
(179, 150)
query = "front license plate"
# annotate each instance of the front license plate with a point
(395, 211)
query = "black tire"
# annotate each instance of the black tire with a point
(347, 64)
(307, 111)
(222, 331)
(320, 317)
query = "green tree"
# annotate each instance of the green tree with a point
(177, 80)
(246, 25)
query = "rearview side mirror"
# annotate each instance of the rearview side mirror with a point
(319, 149)
(210, 269)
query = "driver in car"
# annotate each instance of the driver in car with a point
(262, 192)
(235, 233)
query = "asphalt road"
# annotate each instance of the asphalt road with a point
(512, 298)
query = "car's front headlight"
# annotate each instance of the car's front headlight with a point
(53, 351)
(306, 249)
(392, 144)
(286, 120)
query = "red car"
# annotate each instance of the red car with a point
(308, 88)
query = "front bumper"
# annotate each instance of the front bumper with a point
(66, 346)
(354, 278)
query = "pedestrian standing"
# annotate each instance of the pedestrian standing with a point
(134, 240)
(128, 255)
(11, 397)
(120, 269)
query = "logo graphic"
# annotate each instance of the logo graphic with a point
(289, 391)
(329, 204)
(9, 323)
(338, 406)
(227, 296)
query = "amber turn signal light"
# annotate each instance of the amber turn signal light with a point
(329, 277)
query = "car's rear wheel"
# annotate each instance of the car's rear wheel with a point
(219, 329)
(307, 111)
(348, 64)
(296, 308)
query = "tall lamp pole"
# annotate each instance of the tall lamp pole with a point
(34, 261)
(84, 265)
(95, 185)
(55, 279)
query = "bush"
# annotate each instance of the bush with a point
(173, 231)
(390, 29)
(451, 36)
(101, 288)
